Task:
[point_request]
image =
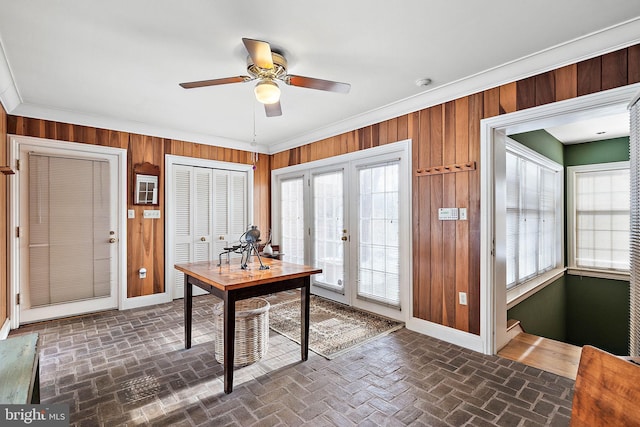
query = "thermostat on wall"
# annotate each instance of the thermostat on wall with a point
(448, 214)
(149, 213)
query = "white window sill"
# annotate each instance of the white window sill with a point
(523, 291)
(601, 274)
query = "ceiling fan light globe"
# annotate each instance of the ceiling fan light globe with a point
(267, 92)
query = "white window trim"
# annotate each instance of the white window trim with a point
(522, 291)
(400, 149)
(493, 310)
(571, 222)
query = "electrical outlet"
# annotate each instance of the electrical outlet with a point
(462, 297)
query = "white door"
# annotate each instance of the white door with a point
(349, 218)
(230, 210)
(209, 211)
(329, 233)
(376, 236)
(292, 219)
(69, 232)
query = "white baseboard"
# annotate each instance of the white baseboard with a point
(450, 335)
(4, 331)
(145, 301)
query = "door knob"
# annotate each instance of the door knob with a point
(112, 240)
(203, 239)
(221, 238)
(344, 238)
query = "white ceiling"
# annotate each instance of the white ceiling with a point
(117, 64)
(592, 129)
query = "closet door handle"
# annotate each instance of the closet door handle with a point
(203, 239)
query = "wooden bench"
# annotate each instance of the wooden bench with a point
(20, 370)
(607, 390)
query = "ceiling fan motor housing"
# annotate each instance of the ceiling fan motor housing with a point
(278, 71)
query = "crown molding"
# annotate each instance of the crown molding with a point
(9, 96)
(63, 116)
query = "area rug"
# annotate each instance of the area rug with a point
(333, 328)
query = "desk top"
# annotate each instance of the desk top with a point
(231, 276)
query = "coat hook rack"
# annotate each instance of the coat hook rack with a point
(439, 170)
(6, 170)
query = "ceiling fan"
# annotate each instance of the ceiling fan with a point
(268, 67)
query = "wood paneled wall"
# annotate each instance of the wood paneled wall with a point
(3, 219)
(446, 254)
(145, 238)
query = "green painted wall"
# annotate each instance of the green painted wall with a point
(574, 309)
(598, 313)
(542, 142)
(589, 153)
(544, 313)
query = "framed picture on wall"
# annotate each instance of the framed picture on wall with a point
(146, 192)
(146, 184)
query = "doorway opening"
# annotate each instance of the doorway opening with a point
(494, 132)
(209, 205)
(69, 250)
(348, 215)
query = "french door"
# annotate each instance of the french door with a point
(349, 218)
(329, 235)
(208, 212)
(69, 230)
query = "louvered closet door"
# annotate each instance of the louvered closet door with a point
(230, 209)
(209, 211)
(193, 219)
(182, 215)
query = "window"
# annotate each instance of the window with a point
(598, 204)
(534, 215)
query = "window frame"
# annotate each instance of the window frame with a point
(523, 290)
(571, 222)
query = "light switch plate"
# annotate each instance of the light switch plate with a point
(154, 214)
(462, 214)
(462, 297)
(131, 214)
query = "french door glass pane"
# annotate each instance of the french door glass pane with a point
(292, 220)
(328, 224)
(379, 244)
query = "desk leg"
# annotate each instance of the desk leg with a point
(188, 308)
(304, 318)
(229, 340)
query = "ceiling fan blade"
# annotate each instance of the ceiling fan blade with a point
(260, 53)
(319, 84)
(273, 110)
(214, 82)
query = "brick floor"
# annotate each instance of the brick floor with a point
(130, 368)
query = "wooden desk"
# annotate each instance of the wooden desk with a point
(231, 283)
